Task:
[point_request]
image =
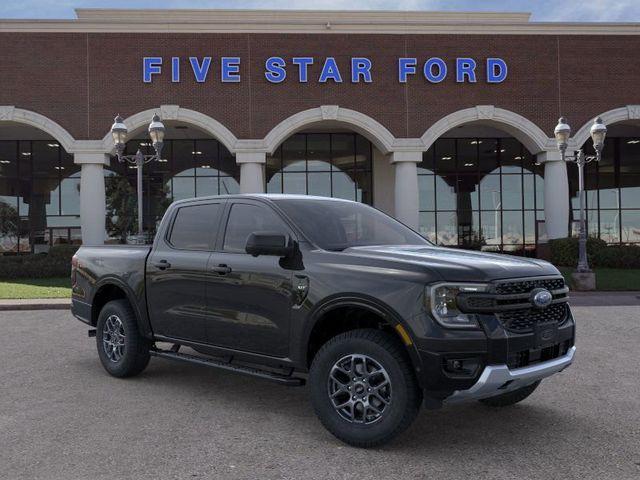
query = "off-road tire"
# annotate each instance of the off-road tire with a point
(511, 398)
(405, 394)
(134, 356)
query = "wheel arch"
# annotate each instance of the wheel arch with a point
(327, 321)
(112, 288)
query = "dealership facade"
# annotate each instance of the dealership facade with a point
(443, 120)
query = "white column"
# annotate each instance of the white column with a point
(251, 171)
(556, 194)
(406, 187)
(92, 197)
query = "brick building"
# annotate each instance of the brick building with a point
(444, 120)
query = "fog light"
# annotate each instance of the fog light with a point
(462, 367)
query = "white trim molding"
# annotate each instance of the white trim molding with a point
(179, 114)
(629, 112)
(310, 21)
(10, 113)
(523, 129)
(373, 130)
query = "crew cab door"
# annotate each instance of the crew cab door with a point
(177, 271)
(249, 298)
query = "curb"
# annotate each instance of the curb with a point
(35, 304)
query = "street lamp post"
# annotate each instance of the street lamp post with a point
(119, 133)
(562, 133)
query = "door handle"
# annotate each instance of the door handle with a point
(162, 265)
(221, 269)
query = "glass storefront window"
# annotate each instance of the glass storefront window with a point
(612, 188)
(39, 195)
(189, 168)
(323, 164)
(480, 193)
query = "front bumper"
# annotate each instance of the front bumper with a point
(492, 345)
(499, 379)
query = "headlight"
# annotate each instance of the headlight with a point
(444, 305)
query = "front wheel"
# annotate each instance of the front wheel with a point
(363, 387)
(122, 350)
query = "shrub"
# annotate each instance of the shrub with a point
(56, 263)
(564, 251)
(618, 256)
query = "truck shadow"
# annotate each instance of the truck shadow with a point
(472, 426)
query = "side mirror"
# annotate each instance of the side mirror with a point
(269, 243)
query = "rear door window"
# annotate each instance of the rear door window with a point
(195, 227)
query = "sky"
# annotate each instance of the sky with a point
(542, 10)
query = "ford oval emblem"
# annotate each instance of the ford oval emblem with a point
(541, 298)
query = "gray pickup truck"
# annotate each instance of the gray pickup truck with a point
(297, 289)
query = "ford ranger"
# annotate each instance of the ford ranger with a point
(293, 289)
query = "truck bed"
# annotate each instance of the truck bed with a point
(94, 266)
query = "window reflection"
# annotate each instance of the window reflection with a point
(189, 168)
(612, 188)
(323, 164)
(480, 193)
(39, 196)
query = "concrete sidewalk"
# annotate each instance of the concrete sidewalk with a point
(580, 299)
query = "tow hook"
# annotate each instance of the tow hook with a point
(92, 333)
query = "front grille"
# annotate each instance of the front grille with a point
(525, 286)
(523, 320)
(510, 301)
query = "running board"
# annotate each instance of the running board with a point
(209, 362)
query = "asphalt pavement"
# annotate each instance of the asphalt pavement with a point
(63, 417)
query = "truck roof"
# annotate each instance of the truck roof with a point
(265, 196)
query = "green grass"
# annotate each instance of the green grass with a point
(610, 279)
(36, 288)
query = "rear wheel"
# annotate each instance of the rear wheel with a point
(122, 350)
(363, 387)
(511, 398)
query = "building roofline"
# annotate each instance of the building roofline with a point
(311, 21)
(300, 16)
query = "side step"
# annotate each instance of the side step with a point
(209, 362)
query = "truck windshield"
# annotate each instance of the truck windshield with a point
(335, 225)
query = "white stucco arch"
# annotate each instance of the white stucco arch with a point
(527, 132)
(10, 113)
(629, 112)
(363, 124)
(177, 113)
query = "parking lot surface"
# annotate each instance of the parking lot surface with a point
(63, 417)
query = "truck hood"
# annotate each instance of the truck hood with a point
(459, 265)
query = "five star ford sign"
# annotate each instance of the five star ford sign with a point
(361, 69)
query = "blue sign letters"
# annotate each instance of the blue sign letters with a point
(200, 70)
(496, 70)
(434, 69)
(330, 71)
(429, 70)
(230, 70)
(275, 71)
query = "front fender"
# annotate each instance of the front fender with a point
(375, 306)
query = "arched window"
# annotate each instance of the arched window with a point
(483, 193)
(323, 164)
(39, 191)
(612, 189)
(189, 168)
